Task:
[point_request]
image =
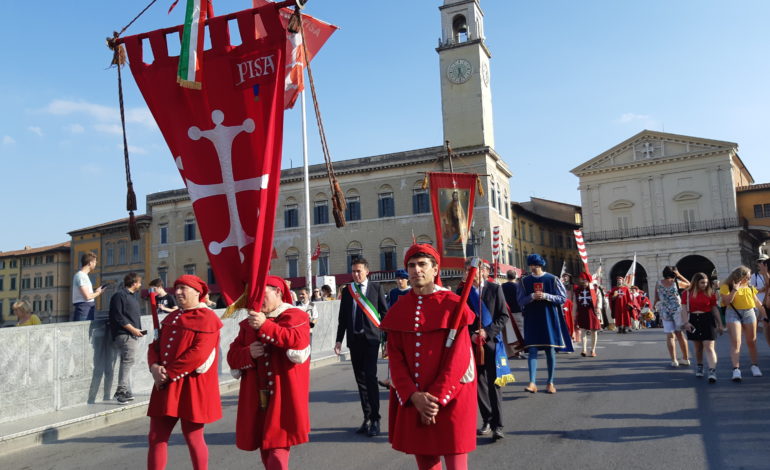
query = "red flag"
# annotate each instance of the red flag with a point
(452, 196)
(225, 139)
(317, 253)
(317, 32)
(274, 254)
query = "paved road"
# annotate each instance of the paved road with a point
(624, 409)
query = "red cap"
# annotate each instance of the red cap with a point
(424, 248)
(586, 276)
(195, 282)
(279, 283)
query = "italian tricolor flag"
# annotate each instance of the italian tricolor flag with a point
(189, 72)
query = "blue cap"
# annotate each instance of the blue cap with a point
(535, 260)
(402, 274)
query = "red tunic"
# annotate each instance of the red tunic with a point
(620, 306)
(568, 319)
(417, 327)
(187, 340)
(586, 313)
(286, 420)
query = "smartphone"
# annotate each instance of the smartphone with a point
(144, 332)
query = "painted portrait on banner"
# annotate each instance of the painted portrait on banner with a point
(454, 204)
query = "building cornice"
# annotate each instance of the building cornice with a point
(651, 162)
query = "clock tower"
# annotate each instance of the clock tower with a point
(466, 98)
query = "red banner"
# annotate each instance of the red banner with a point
(225, 138)
(452, 196)
(316, 34)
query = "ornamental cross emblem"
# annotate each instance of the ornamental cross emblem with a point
(222, 137)
(585, 297)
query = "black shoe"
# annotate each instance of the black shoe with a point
(122, 398)
(128, 396)
(364, 429)
(485, 429)
(498, 434)
(374, 429)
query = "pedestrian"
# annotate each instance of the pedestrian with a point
(362, 308)
(126, 328)
(326, 292)
(183, 362)
(432, 410)
(702, 322)
(24, 316)
(541, 295)
(761, 280)
(669, 303)
(588, 316)
(402, 287)
(270, 356)
(304, 303)
(510, 291)
(83, 293)
(569, 306)
(620, 300)
(741, 300)
(487, 301)
(316, 295)
(163, 299)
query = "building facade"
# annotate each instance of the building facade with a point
(671, 200)
(9, 284)
(116, 254)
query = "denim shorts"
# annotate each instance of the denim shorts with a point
(745, 317)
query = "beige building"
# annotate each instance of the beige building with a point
(43, 281)
(9, 283)
(116, 254)
(669, 198)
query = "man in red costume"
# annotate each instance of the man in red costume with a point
(620, 301)
(183, 363)
(433, 392)
(270, 355)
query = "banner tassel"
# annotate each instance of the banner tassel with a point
(239, 303)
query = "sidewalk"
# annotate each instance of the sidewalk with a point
(46, 428)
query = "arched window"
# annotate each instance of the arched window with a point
(109, 250)
(420, 199)
(290, 213)
(353, 202)
(323, 261)
(386, 206)
(424, 239)
(122, 251)
(189, 227)
(493, 193)
(388, 260)
(459, 29)
(320, 209)
(292, 262)
(353, 251)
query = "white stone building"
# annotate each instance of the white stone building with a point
(671, 199)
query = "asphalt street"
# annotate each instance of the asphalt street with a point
(627, 408)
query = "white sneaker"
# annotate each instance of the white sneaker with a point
(674, 363)
(684, 362)
(736, 375)
(755, 371)
(712, 376)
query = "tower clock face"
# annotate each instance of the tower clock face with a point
(459, 71)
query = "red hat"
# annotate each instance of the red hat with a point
(195, 282)
(279, 283)
(586, 276)
(424, 248)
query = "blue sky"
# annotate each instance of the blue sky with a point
(569, 80)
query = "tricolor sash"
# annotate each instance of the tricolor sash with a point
(365, 305)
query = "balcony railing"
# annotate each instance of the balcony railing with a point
(669, 229)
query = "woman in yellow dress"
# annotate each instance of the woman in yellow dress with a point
(23, 311)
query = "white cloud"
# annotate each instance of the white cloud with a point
(8, 140)
(75, 128)
(109, 128)
(35, 130)
(135, 149)
(100, 113)
(630, 117)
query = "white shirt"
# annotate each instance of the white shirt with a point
(758, 282)
(81, 279)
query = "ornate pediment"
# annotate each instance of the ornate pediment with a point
(649, 146)
(621, 204)
(687, 196)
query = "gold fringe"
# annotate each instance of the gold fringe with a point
(425, 182)
(481, 186)
(505, 380)
(188, 84)
(239, 303)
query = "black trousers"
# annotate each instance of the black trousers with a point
(490, 395)
(364, 356)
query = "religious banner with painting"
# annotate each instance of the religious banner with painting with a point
(452, 197)
(225, 138)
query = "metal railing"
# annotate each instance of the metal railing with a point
(668, 229)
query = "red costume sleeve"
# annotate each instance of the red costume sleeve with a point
(152, 354)
(456, 361)
(194, 356)
(399, 371)
(289, 330)
(239, 354)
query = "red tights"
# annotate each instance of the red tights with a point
(275, 459)
(160, 431)
(433, 462)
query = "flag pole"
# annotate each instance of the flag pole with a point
(308, 260)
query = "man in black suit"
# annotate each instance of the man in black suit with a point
(363, 341)
(490, 396)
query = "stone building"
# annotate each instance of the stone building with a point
(38, 275)
(116, 254)
(545, 227)
(669, 198)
